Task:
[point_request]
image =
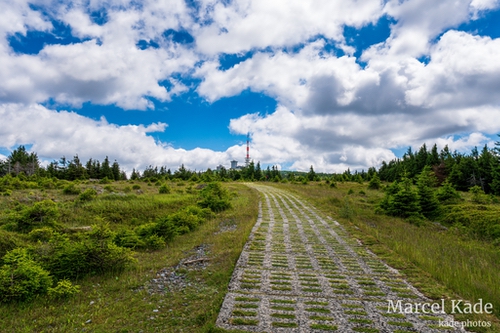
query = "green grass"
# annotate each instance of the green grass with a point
(242, 313)
(246, 299)
(112, 303)
(283, 315)
(283, 301)
(241, 321)
(360, 321)
(315, 303)
(285, 325)
(324, 327)
(318, 310)
(321, 318)
(283, 308)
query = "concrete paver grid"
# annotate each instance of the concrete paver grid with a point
(300, 272)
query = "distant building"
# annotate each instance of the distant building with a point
(234, 164)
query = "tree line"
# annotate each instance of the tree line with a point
(22, 162)
(462, 170)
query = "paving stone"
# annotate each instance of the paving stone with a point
(302, 272)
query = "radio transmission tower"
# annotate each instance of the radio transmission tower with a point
(247, 159)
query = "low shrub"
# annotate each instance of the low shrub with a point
(63, 289)
(185, 221)
(8, 242)
(41, 234)
(215, 197)
(71, 189)
(164, 189)
(447, 193)
(87, 195)
(21, 279)
(481, 221)
(128, 238)
(41, 214)
(94, 254)
(105, 180)
(155, 242)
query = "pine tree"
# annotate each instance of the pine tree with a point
(429, 204)
(258, 172)
(106, 171)
(404, 203)
(433, 157)
(485, 162)
(495, 170)
(374, 182)
(115, 170)
(447, 193)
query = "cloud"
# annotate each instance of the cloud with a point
(107, 68)
(55, 134)
(242, 25)
(427, 82)
(463, 72)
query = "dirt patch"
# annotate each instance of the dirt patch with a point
(175, 278)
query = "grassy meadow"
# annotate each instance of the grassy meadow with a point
(442, 262)
(115, 301)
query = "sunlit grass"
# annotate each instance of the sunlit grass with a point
(112, 303)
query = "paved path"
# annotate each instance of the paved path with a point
(301, 272)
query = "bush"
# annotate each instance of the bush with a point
(136, 187)
(347, 210)
(374, 183)
(95, 254)
(105, 180)
(447, 193)
(43, 213)
(21, 279)
(478, 195)
(63, 289)
(186, 220)
(109, 188)
(128, 238)
(165, 228)
(87, 195)
(164, 189)
(403, 203)
(8, 242)
(215, 197)
(478, 220)
(42, 234)
(155, 242)
(71, 189)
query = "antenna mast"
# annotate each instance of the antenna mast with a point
(247, 159)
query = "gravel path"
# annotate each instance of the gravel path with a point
(300, 272)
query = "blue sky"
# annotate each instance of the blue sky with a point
(333, 85)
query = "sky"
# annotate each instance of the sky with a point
(328, 84)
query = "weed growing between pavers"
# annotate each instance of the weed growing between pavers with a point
(313, 276)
